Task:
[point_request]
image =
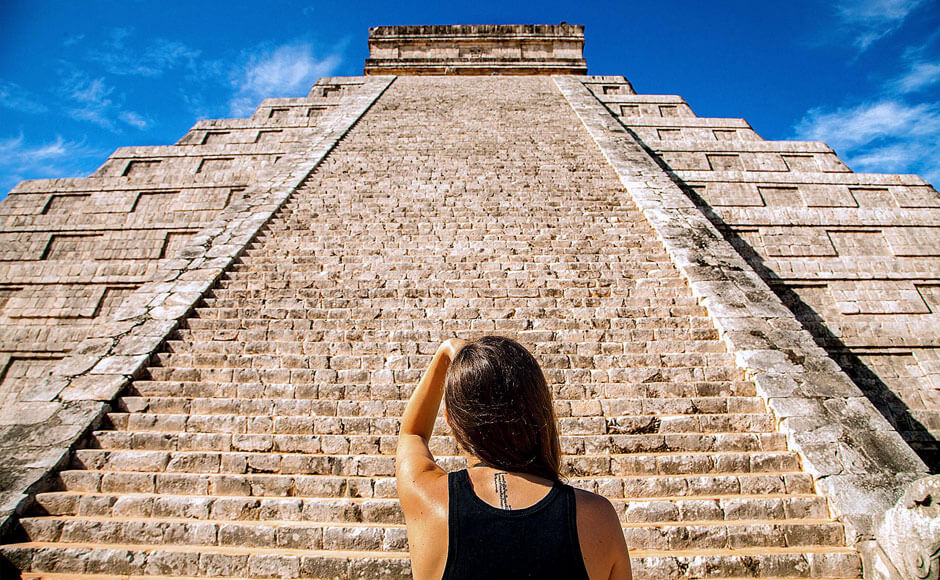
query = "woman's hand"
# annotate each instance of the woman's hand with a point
(451, 347)
(421, 411)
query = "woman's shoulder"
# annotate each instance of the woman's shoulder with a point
(600, 536)
(593, 506)
(418, 477)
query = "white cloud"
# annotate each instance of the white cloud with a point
(288, 70)
(888, 136)
(850, 128)
(896, 128)
(150, 60)
(870, 20)
(10, 144)
(94, 103)
(896, 155)
(920, 76)
(134, 119)
(92, 97)
(93, 91)
(73, 40)
(13, 96)
(19, 160)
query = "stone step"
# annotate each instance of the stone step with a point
(304, 535)
(633, 454)
(821, 562)
(484, 308)
(494, 277)
(270, 369)
(324, 387)
(392, 538)
(686, 362)
(640, 286)
(55, 576)
(402, 317)
(799, 562)
(616, 340)
(408, 255)
(342, 485)
(341, 425)
(360, 245)
(203, 561)
(416, 320)
(573, 445)
(88, 576)
(580, 450)
(489, 281)
(296, 219)
(348, 347)
(395, 407)
(516, 292)
(617, 274)
(382, 511)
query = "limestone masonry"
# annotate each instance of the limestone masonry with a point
(205, 348)
(476, 50)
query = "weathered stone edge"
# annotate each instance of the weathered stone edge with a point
(64, 405)
(856, 457)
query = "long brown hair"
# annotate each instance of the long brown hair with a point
(499, 407)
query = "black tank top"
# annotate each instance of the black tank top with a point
(539, 542)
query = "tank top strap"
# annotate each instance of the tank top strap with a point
(458, 486)
(574, 542)
(457, 483)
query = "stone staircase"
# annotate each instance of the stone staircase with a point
(261, 442)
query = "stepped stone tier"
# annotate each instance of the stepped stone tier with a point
(207, 347)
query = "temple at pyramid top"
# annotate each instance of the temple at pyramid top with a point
(488, 49)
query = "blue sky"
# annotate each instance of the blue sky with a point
(78, 79)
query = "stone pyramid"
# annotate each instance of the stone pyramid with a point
(208, 346)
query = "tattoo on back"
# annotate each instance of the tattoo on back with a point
(499, 479)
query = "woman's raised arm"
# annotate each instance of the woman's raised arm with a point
(414, 461)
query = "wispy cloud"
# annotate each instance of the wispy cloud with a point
(869, 20)
(88, 90)
(858, 126)
(93, 102)
(921, 75)
(287, 70)
(887, 135)
(73, 40)
(119, 57)
(92, 99)
(896, 127)
(13, 96)
(20, 160)
(133, 119)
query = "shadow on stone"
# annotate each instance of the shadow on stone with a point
(892, 407)
(7, 570)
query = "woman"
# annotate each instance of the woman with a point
(508, 515)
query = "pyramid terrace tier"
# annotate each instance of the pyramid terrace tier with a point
(854, 255)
